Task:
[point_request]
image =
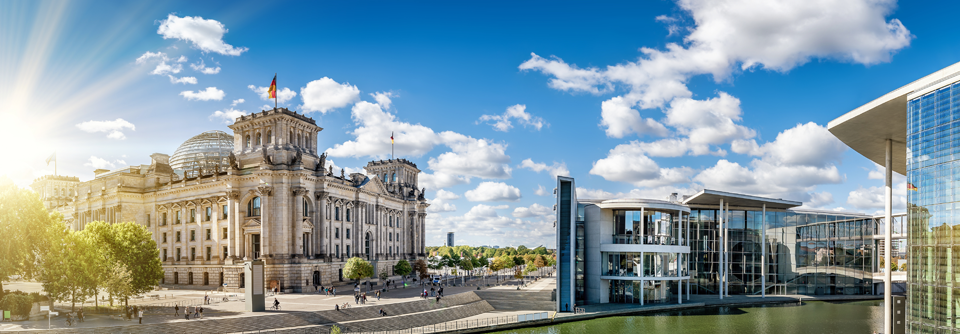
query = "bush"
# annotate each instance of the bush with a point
(17, 303)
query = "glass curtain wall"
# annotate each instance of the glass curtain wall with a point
(933, 169)
(652, 228)
(807, 253)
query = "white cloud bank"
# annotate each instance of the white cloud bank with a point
(325, 94)
(211, 93)
(114, 129)
(517, 112)
(206, 35)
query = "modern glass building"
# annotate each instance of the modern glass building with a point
(646, 251)
(915, 131)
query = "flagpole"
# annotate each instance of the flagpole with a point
(274, 93)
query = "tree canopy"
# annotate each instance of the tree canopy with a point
(26, 228)
(357, 268)
(402, 268)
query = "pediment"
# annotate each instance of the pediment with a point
(375, 186)
(307, 224)
(252, 223)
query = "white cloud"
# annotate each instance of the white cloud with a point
(202, 68)
(471, 157)
(372, 135)
(535, 210)
(182, 59)
(493, 192)
(541, 191)
(283, 95)
(150, 55)
(346, 170)
(446, 195)
(438, 205)
(727, 36)
(100, 163)
(206, 35)
(325, 94)
(628, 163)
(483, 225)
(440, 180)
(557, 169)
(114, 128)
(164, 68)
(879, 172)
(819, 199)
(518, 112)
(236, 102)
(183, 80)
(383, 99)
(211, 93)
(228, 115)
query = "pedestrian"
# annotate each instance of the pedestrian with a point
(80, 314)
(334, 291)
(196, 312)
(140, 314)
(176, 310)
(186, 313)
(381, 312)
(378, 295)
(438, 299)
(336, 307)
(201, 312)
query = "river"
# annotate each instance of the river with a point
(811, 317)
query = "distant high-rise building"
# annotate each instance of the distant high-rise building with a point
(450, 239)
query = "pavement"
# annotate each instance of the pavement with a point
(161, 310)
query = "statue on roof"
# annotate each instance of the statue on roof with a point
(297, 158)
(322, 163)
(232, 160)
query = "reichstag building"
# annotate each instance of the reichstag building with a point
(261, 193)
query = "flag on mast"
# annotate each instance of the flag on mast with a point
(273, 87)
(391, 137)
(52, 157)
(910, 186)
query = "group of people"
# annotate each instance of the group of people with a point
(361, 298)
(331, 291)
(129, 312)
(196, 310)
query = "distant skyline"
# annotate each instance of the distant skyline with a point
(491, 100)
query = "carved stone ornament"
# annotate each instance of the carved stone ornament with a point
(266, 158)
(319, 194)
(265, 190)
(234, 163)
(297, 158)
(300, 191)
(234, 194)
(330, 172)
(323, 162)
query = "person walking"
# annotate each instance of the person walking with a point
(201, 312)
(378, 295)
(176, 310)
(186, 313)
(140, 315)
(80, 314)
(334, 291)
(336, 307)
(196, 312)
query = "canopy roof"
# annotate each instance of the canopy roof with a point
(713, 197)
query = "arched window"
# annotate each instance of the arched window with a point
(299, 140)
(394, 177)
(253, 207)
(259, 139)
(247, 143)
(384, 176)
(269, 137)
(290, 139)
(306, 210)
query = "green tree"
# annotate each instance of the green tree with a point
(402, 268)
(17, 304)
(540, 262)
(119, 281)
(383, 275)
(522, 250)
(508, 261)
(70, 268)
(25, 229)
(540, 250)
(357, 269)
(132, 246)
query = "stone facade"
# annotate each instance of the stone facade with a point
(274, 200)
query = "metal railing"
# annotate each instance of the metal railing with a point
(466, 324)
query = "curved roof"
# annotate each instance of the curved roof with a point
(206, 150)
(866, 128)
(636, 203)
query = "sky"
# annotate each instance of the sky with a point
(491, 100)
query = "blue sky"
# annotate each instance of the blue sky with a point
(635, 99)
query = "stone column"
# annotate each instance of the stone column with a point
(265, 205)
(233, 224)
(298, 246)
(320, 224)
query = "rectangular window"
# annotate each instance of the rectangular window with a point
(209, 213)
(208, 253)
(164, 237)
(348, 233)
(178, 217)
(193, 215)
(338, 250)
(224, 233)
(224, 254)
(193, 235)
(390, 237)
(391, 221)
(164, 254)
(348, 214)
(224, 208)
(164, 221)
(348, 250)
(178, 237)
(336, 232)
(178, 255)
(336, 213)
(193, 253)
(208, 234)
(148, 220)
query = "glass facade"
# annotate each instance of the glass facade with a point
(647, 227)
(807, 253)
(933, 168)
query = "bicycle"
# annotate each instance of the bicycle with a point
(275, 307)
(226, 299)
(70, 321)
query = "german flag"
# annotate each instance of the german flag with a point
(910, 186)
(273, 88)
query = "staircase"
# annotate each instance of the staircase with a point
(522, 300)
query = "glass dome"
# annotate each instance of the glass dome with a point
(206, 150)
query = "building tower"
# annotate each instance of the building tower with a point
(275, 137)
(450, 239)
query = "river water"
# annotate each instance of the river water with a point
(811, 317)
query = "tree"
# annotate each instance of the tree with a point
(402, 268)
(522, 250)
(132, 246)
(357, 269)
(119, 281)
(540, 250)
(70, 268)
(540, 262)
(17, 304)
(421, 267)
(496, 266)
(383, 275)
(466, 264)
(25, 226)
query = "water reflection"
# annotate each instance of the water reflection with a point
(811, 317)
